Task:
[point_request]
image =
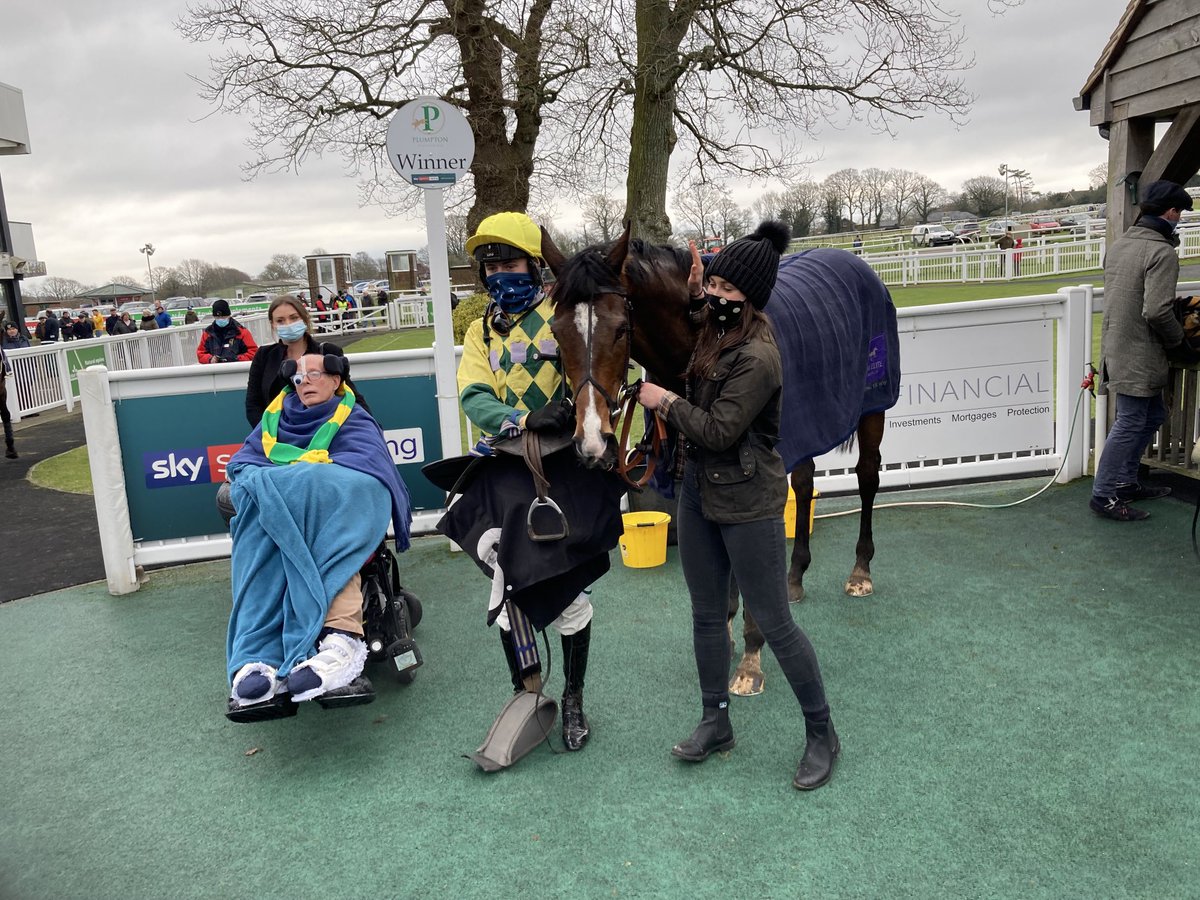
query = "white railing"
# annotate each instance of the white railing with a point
(45, 376)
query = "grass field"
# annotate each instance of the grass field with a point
(67, 472)
(408, 339)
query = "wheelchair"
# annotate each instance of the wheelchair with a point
(390, 614)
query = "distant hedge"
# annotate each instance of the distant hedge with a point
(468, 310)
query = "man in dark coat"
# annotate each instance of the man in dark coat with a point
(1141, 270)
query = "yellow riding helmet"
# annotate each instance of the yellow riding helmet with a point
(512, 228)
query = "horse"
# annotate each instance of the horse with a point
(835, 324)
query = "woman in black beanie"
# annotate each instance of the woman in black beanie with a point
(733, 495)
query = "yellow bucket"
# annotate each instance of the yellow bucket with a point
(789, 513)
(644, 540)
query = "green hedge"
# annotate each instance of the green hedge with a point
(468, 310)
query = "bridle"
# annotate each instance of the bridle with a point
(624, 405)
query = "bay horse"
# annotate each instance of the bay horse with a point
(835, 324)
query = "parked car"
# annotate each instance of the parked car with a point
(999, 226)
(1045, 224)
(966, 231)
(179, 303)
(932, 236)
(135, 308)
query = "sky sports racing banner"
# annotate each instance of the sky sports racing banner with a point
(175, 449)
(982, 389)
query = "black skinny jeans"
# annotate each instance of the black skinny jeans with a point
(755, 553)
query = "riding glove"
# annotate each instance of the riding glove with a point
(551, 417)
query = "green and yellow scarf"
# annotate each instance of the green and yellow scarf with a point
(317, 451)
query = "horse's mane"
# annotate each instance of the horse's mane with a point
(645, 264)
(584, 275)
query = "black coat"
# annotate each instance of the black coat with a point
(265, 382)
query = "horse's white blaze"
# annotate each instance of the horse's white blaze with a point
(593, 445)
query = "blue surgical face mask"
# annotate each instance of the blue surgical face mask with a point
(220, 323)
(725, 312)
(514, 292)
(289, 334)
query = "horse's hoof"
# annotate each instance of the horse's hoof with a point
(745, 684)
(795, 593)
(859, 586)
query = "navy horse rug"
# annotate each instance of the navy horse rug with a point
(835, 324)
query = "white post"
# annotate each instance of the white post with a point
(108, 480)
(1085, 446)
(1071, 358)
(64, 376)
(443, 325)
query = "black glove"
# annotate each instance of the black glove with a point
(1182, 354)
(550, 418)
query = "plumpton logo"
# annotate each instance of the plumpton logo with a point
(428, 119)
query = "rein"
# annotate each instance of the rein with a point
(623, 407)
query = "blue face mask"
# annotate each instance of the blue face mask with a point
(289, 334)
(220, 323)
(514, 292)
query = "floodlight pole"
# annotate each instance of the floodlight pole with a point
(149, 251)
(1003, 170)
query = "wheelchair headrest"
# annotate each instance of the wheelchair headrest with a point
(333, 364)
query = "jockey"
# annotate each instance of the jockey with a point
(510, 380)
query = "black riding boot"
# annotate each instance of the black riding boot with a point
(820, 751)
(9, 450)
(510, 654)
(713, 734)
(575, 728)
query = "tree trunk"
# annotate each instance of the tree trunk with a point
(652, 136)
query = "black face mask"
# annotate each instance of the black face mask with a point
(725, 312)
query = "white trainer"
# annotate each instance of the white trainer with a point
(339, 660)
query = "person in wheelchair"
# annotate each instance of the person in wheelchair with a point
(314, 487)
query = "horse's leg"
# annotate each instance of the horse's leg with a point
(802, 487)
(747, 679)
(870, 436)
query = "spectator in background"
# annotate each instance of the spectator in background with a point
(14, 337)
(110, 323)
(40, 329)
(1139, 335)
(1006, 243)
(66, 327)
(149, 323)
(83, 327)
(162, 318)
(97, 321)
(225, 340)
(10, 449)
(381, 298)
(858, 243)
(190, 317)
(124, 325)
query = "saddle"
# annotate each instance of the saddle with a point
(545, 520)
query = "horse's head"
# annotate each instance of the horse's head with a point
(594, 332)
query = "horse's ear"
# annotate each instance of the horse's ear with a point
(550, 252)
(620, 249)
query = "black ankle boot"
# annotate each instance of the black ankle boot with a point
(820, 751)
(575, 727)
(713, 734)
(510, 654)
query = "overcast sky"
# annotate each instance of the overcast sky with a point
(125, 153)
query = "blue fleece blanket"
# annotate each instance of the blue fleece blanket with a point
(300, 533)
(303, 530)
(836, 327)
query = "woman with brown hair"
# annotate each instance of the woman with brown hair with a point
(733, 494)
(292, 325)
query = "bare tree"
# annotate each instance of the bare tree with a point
(902, 186)
(57, 289)
(847, 183)
(365, 266)
(800, 205)
(1098, 176)
(983, 194)
(457, 233)
(283, 266)
(703, 208)
(127, 280)
(195, 275)
(874, 194)
(927, 196)
(604, 215)
(709, 75)
(831, 207)
(313, 80)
